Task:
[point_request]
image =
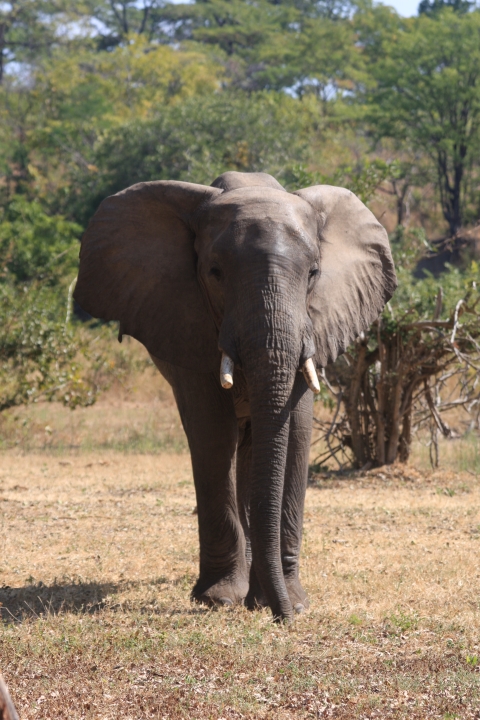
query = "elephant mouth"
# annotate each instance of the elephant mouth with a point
(308, 369)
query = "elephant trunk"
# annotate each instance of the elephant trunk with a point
(267, 334)
(270, 354)
(270, 418)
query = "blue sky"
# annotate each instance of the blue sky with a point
(403, 7)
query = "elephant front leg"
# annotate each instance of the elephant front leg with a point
(209, 420)
(244, 480)
(223, 578)
(296, 477)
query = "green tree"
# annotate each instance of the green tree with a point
(43, 356)
(114, 21)
(50, 127)
(272, 44)
(29, 29)
(427, 95)
(430, 7)
(320, 57)
(196, 140)
(35, 245)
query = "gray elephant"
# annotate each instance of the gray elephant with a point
(254, 283)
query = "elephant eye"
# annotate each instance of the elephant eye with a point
(313, 273)
(215, 272)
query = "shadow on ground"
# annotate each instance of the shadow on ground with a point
(36, 600)
(19, 603)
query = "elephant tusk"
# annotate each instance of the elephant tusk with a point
(310, 375)
(226, 372)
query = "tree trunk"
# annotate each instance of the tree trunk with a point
(353, 407)
(406, 436)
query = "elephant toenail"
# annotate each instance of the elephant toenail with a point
(225, 601)
(299, 608)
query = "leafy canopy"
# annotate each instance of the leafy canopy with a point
(35, 245)
(427, 94)
(430, 7)
(196, 141)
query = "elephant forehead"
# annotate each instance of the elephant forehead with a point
(263, 207)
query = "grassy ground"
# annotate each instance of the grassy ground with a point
(98, 554)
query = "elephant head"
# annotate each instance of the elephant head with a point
(274, 281)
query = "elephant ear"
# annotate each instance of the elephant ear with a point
(357, 275)
(138, 266)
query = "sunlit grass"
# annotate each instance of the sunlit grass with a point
(99, 553)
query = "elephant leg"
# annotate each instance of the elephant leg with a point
(255, 597)
(208, 417)
(244, 478)
(296, 477)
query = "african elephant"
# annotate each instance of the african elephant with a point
(244, 279)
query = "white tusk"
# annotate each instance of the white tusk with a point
(226, 372)
(310, 375)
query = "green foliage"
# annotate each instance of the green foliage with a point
(100, 94)
(35, 245)
(48, 134)
(116, 20)
(196, 141)
(276, 45)
(408, 246)
(40, 357)
(428, 95)
(25, 27)
(431, 7)
(416, 299)
(363, 179)
(319, 56)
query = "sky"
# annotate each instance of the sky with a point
(403, 7)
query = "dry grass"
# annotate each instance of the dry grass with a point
(137, 414)
(98, 554)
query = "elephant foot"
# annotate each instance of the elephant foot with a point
(298, 596)
(223, 593)
(255, 598)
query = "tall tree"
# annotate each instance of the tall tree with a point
(430, 7)
(196, 140)
(428, 94)
(115, 20)
(25, 29)
(272, 44)
(320, 57)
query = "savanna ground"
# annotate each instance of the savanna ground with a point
(98, 553)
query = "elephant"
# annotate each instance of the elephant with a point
(240, 291)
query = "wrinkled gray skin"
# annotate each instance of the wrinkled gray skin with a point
(272, 279)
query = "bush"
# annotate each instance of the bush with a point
(395, 377)
(42, 355)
